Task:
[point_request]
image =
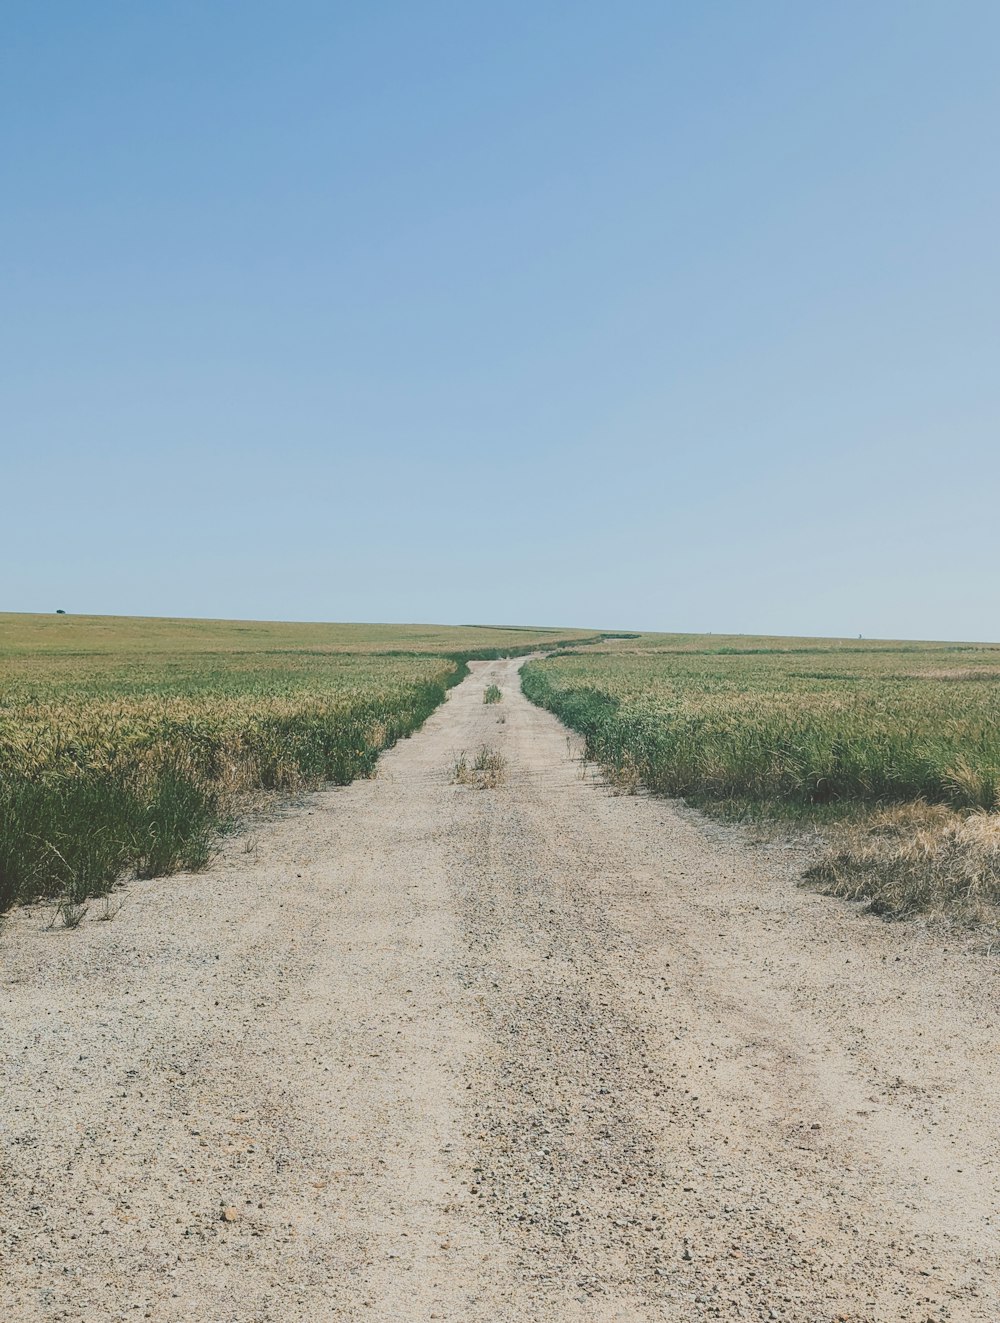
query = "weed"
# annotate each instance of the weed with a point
(486, 771)
(491, 766)
(70, 911)
(623, 777)
(492, 694)
(112, 906)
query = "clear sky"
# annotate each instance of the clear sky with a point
(657, 315)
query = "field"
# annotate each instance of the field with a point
(898, 743)
(125, 743)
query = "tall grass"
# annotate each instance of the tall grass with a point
(24, 635)
(75, 835)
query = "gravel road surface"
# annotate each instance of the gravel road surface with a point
(416, 1050)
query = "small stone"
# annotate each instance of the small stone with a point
(230, 1214)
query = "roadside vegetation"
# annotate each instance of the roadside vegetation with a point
(916, 859)
(893, 748)
(126, 744)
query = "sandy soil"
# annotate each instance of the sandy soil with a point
(424, 1051)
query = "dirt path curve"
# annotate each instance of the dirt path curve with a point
(531, 1053)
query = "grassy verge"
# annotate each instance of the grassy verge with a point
(893, 749)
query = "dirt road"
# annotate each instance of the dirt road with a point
(426, 1051)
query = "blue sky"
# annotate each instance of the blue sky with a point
(654, 315)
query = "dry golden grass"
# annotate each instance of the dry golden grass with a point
(917, 859)
(120, 764)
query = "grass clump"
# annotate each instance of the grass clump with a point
(492, 694)
(490, 764)
(486, 771)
